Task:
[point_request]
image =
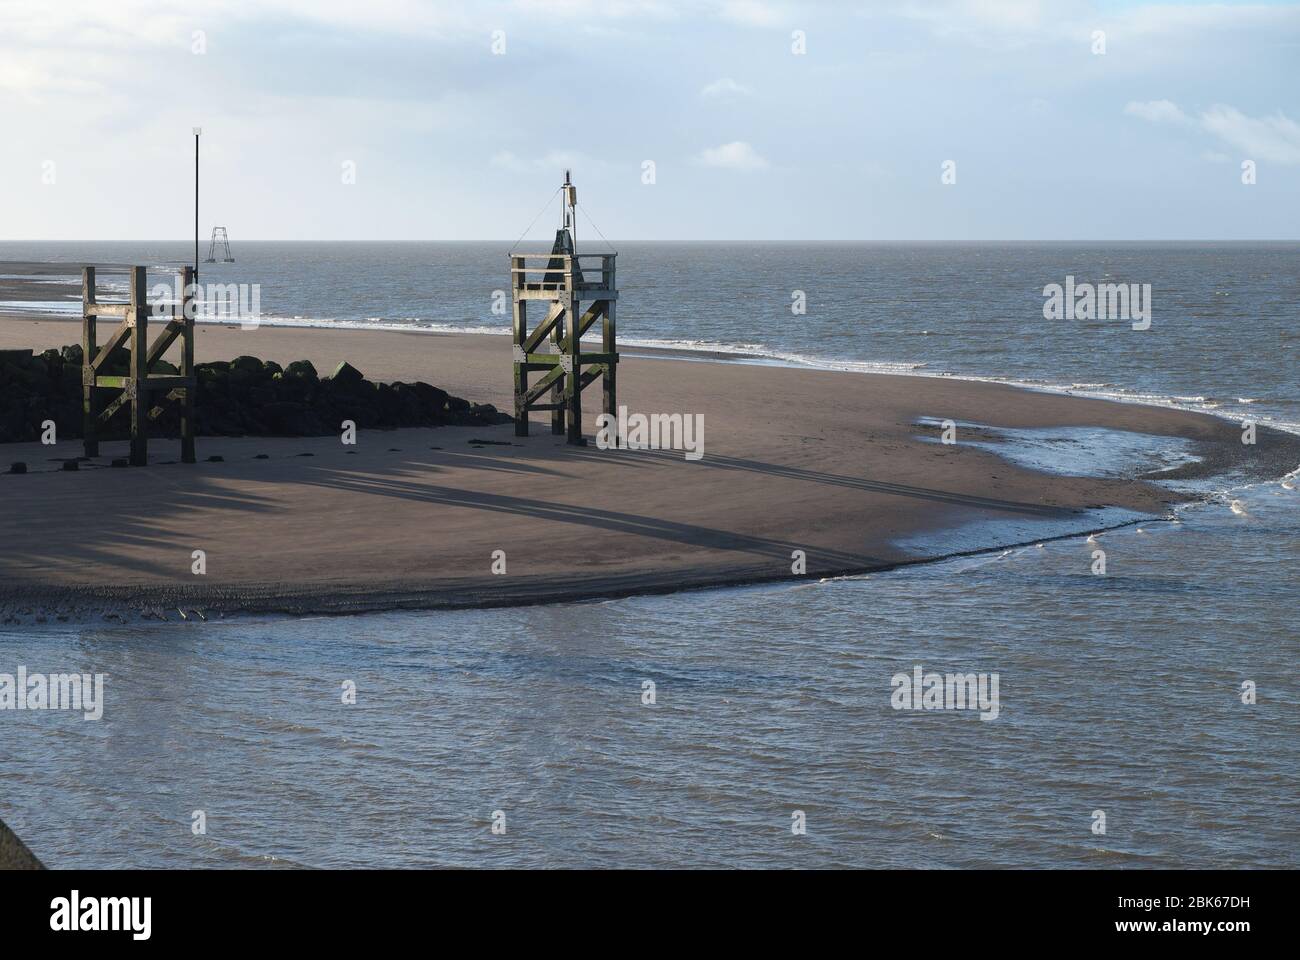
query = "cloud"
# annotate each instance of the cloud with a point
(753, 13)
(737, 155)
(1156, 111)
(992, 24)
(1275, 139)
(725, 89)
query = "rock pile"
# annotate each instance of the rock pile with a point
(241, 397)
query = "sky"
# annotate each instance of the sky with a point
(896, 120)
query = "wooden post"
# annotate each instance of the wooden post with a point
(137, 379)
(573, 373)
(519, 328)
(609, 346)
(188, 306)
(89, 413)
(557, 391)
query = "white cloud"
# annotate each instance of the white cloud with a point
(1275, 139)
(737, 155)
(754, 13)
(725, 89)
(1156, 111)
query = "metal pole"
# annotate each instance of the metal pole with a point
(197, 131)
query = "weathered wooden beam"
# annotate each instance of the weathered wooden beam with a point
(550, 294)
(557, 404)
(544, 361)
(139, 369)
(117, 403)
(159, 409)
(117, 339)
(573, 371)
(609, 345)
(122, 310)
(519, 332)
(89, 442)
(164, 341)
(590, 376)
(150, 384)
(592, 314)
(544, 328)
(544, 384)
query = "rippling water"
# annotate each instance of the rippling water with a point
(1119, 693)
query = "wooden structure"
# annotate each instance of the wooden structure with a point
(559, 282)
(139, 383)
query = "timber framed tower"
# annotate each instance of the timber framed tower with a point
(560, 284)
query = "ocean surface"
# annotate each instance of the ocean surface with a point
(1119, 694)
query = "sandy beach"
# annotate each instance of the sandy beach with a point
(829, 463)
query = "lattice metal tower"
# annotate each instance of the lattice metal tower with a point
(220, 242)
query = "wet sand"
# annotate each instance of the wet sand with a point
(829, 463)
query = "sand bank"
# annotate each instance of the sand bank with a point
(829, 463)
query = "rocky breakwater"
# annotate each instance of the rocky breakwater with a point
(241, 397)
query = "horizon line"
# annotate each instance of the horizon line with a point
(749, 241)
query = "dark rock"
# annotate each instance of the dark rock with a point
(18, 467)
(243, 397)
(71, 465)
(347, 374)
